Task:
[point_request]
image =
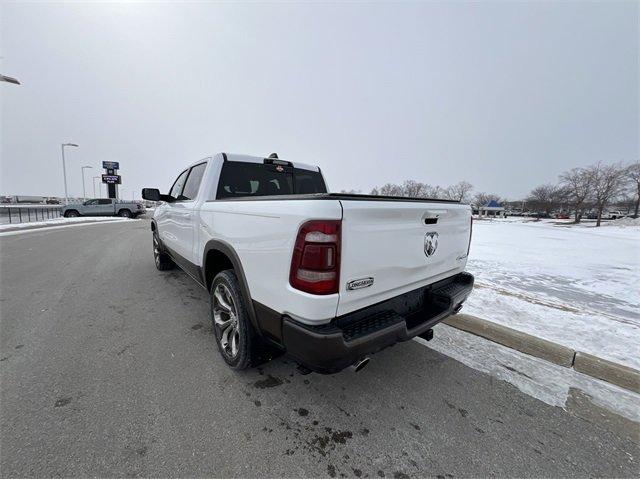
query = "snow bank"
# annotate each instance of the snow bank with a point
(575, 285)
(623, 222)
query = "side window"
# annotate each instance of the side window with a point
(176, 189)
(91, 202)
(104, 202)
(192, 185)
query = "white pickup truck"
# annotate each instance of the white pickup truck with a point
(328, 278)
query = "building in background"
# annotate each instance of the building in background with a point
(491, 209)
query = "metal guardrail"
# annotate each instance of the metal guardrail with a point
(13, 213)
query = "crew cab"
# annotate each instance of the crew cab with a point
(104, 207)
(328, 278)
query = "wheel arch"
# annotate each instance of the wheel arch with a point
(219, 256)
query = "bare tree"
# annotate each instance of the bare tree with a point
(633, 177)
(608, 182)
(414, 189)
(388, 189)
(546, 198)
(459, 192)
(435, 192)
(483, 199)
(577, 184)
(410, 188)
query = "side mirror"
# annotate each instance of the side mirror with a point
(151, 194)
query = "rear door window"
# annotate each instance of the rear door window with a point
(238, 179)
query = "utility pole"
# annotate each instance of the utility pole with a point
(84, 193)
(94, 186)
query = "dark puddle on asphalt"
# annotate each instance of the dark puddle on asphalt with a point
(302, 430)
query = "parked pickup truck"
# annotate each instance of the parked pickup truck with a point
(613, 215)
(104, 207)
(328, 278)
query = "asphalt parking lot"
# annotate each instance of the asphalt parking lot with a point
(109, 368)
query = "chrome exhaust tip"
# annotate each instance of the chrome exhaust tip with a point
(359, 365)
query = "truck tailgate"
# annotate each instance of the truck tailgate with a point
(401, 245)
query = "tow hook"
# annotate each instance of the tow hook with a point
(457, 309)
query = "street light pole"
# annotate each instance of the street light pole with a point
(84, 193)
(64, 172)
(94, 186)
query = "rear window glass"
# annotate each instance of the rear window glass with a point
(239, 179)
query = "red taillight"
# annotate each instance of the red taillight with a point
(315, 265)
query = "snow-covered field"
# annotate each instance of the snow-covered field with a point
(575, 285)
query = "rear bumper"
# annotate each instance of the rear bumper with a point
(332, 347)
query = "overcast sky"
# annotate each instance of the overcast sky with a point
(505, 96)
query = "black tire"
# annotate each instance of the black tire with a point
(246, 339)
(162, 260)
(125, 213)
(71, 214)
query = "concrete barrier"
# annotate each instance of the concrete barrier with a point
(614, 373)
(511, 338)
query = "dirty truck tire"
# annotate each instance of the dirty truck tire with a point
(162, 260)
(234, 333)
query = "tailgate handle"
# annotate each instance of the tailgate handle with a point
(431, 217)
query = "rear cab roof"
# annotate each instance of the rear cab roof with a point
(260, 159)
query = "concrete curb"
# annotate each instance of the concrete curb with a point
(511, 338)
(622, 376)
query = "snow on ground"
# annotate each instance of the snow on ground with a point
(6, 228)
(575, 285)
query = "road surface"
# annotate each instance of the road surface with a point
(109, 368)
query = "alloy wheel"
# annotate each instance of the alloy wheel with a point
(225, 316)
(156, 250)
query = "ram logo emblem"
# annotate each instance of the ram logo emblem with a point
(430, 243)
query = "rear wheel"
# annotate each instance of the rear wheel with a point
(71, 214)
(235, 336)
(162, 259)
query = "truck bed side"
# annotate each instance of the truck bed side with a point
(263, 233)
